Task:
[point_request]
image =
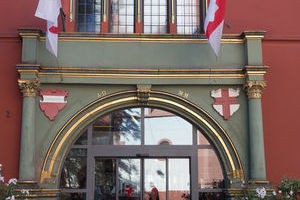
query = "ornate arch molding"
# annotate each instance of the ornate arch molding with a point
(72, 128)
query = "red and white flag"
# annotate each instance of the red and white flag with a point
(49, 10)
(214, 22)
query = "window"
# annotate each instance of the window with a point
(122, 16)
(89, 16)
(140, 16)
(188, 16)
(126, 153)
(155, 16)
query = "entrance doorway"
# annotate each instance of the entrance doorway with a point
(141, 153)
(143, 178)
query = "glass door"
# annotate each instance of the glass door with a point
(141, 178)
(117, 179)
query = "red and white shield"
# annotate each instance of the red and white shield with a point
(225, 101)
(53, 101)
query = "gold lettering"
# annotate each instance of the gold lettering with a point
(102, 93)
(183, 94)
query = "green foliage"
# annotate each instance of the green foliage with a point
(8, 190)
(288, 189)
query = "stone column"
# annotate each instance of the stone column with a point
(256, 138)
(27, 152)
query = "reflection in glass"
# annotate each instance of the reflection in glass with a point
(127, 127)
(129, 178)
(155, 178)
(73, 196)
(155, 16)
(210, 174)
(188, 16)
(82, 140)
(118, 128)
(179, 178)
(74, 169)
(105, 182)
(102, 129)
(88, 18)
(201, 139)
(122, 16)
(162, 127)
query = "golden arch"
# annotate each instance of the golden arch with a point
(67, 134)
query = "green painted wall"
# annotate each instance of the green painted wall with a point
(141, 55)
(155, 55)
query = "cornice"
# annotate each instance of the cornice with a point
(115, 37)
(141, 72)
(253, 35)
(256, 70)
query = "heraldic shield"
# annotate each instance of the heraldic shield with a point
(225, 101)
(53, 101)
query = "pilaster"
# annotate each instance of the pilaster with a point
(253, 47)
(27, 154)
(253, 87)
(30, 40)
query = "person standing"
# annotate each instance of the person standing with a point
(154, 195)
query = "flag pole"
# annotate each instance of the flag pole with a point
(63, 19)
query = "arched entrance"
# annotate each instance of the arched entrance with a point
(71, 131)
(141, 153)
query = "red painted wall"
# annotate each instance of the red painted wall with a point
(281, 50)
(14, 15)
(278, 18)
(281, 109)
(10, 106)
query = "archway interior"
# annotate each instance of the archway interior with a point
(131, 153)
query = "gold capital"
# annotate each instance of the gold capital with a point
(29, 87)
(254, 89)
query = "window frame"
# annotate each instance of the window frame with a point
(141, 151)
(138, 24)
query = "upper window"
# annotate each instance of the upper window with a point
(140, 16)
(125, 128)
(122, 16)
(155, 16)
(89, 15)
(188, 16)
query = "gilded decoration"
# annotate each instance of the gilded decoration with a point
(236, 174)
(254, 89)
(50, 171)
(143, 94)
(29, 87)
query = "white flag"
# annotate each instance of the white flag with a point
(214, 22)
(52, 37)
(49, 10)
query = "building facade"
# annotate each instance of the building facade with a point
(136, 98)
